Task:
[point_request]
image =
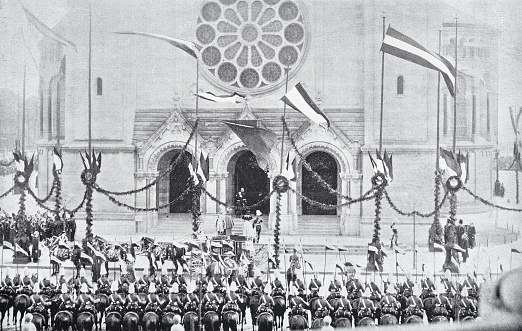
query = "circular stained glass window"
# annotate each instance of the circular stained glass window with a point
(246, 45)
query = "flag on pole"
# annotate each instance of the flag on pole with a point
(193, 173)
(45, 30)
(55, 259)
(86, 257)
(228, 98)
(401, 46)
(298, 99)
(95, 251)
(439, 246)
(399, 250)
(21, 250)
(501, 268)
(513, 250)
(191, 48)
(203, 166)
(290, 169)
(8, 245)
(382, 165)
(309, 265)
(329, 247)
(342, 249)
(257, 139)
(339, 266)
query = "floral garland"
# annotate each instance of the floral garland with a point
(195, 208)
(3, 195)
(277, 229)
(364, 197)
(253, 206)
(44, 200)
(6, 163)
(88, 211)
(58, 196)
(378, 183)
(415, 212)
(72, 212)
(486, 202)
(435, 231)
(138, 209)
(181, 156)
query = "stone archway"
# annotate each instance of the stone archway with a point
(171, 186)
(325, 165)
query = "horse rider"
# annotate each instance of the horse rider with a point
(449, 287)
(164, 282)
(365, 307)
(278, 288)
(342, 307)
(231, 299)
(389, 304)
(45, 284)
(103, 284)
(133, 301)
(182, 284)
(414, 305)
(334, 288)
(191, 301)
(116, 302)
(320, 307)
(85, 301)
(441, 306)
(427, 287)
(407, 286)
(83, 279)
(144, 281)
(314, 286)
(266, 302)
(174, 302)
(38, 303)
(297, 305)
(217, 284)
(65, 300)
(241, 280)
(26, 285)
(354, 287)
(467, 304)
(7, 286)
(62, 279)
(301, 288)
(154, 303)
(390, 281)
(210, 302)
(375, 291)
(471, 285)
(258, 283)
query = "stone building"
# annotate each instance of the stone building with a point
(143, 104)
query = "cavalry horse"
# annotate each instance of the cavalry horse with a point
(279, 311)
(63, 320)
(253, 305)
(131, 321)
(21, 303)
(113, 321)
(297, 322)
(85, 321)
(230, 319)
(39, 321)
(191, 321)
(211, 321)
(101, 305)
(265, 321)
(5, 304)
(151, 321)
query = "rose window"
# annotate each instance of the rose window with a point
(248, 44)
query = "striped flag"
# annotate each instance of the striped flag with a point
(399, 250)
(399, 45)
(8, 245)
(86, 257)
(45, 30)
(21, 250)
(228, 98)
(204, 166)
(193, 173)
(290, 169)
(513, 250)
(191, 48)
(95, 251)
(298, 99)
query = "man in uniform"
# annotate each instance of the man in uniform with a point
(354, 287)
(133, 301)
(389, 304)
(210, 302)
(297, 305)
(472, 286)
(414, 305)
(258, 282)
(231, 299)
(174, 303)
(154, 303)
(104, 284)
(427, 287)
(278, 288)
(441, 306)
(365, 307)
(449, 287)
(334, 288)
(116, 302)
(86, 302)
(38, 303)
(407, 286)
(467, 305)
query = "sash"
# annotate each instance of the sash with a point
(319, 303)
(363, 303)
(342, 303)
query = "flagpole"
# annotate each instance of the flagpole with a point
(197, 107)
(90, 78)
(396, 267)
(23, 108)
(382, 86)
(437, 161)
(284, 114)
(324, 267)
(455, 89)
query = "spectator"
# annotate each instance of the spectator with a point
(229, 222)
(221, 222)
(465, 245)
(460, 232)
(27, 324)
(257, 225)
(176, 326)
(471, 235)
(395, 236)
(327, 324)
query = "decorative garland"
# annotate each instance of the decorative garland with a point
(80, 206)
(137, 209)
(277, 229)
(364, 197)
(88, 210)
(6, 163)
(281, 184)
(6, 193)
(253, 206)
(195, 209)
(58, 196)
(21, 210)
(435, 231)
(415, 212)
(377, 220)
(44, 200)
(486, 202)
(180, 156)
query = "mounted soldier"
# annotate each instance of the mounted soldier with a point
(85, 301)
(116, 302)
(144, 281)
(297, 305)
(449, 288)
(320, 308)
(294, 265)
(210, 302)
(365, 307)
(103, 284)
(467, 305)
(354, 287)
(154, 303)
(133, 301)
(258, 283)
(334, 288)
(174, 302)
(427, 287)
(440, 307)
(406, 288)
(26, 284)
(389, 304)
(38, 303)
(232, 300)
(65, 300)
(414, 305)
(471, 285)
(314, 287)
(278, 288)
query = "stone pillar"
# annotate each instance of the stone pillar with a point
(141, 219)
(152, 198)
(212, 188)
(350, 222)
(221, 190)
(287, 219)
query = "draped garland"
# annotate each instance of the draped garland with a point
(435, 232)
(195, 209)
(280, 185)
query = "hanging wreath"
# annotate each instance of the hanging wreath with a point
(281, 184)
(453, 184)
(379, 181)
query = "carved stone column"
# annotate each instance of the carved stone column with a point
(221, 187)
(287, 219)
(212, 187)
(350, 217)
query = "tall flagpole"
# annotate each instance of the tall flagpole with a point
(437, 164)
(284, 114)
(195, 161)
(90, 78)
(23, 108)
(455, 90)
(382, 86)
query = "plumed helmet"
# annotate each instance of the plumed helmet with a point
(344, 292)
(367, 293)
(293, 290)
(233, 286)
(152, 287)
(464, 292)
(277, 274)
(447, 274)
(83, 288)
(174, 288)
(82, 272)
(258, 212)
(391, 290)
(114, 287)
(36, 287)
(64, 288)
(132, 288)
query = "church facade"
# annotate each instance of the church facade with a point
(144, 108)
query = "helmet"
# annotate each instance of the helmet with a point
(391, 290)
(447, 274)
(114, 287)
(464, 292)
(65, 289)
(344, 291)
(132, 288)
(83, 288)
(277, 274)
(36, 287)
(174, 288)
(152, 287)
(82, 272)
(233, 286)
(366, 293)
(293, 290)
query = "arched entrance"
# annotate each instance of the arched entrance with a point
(248, 175)
(171, 186)
(326, 167)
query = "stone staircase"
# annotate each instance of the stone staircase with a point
(318, 225)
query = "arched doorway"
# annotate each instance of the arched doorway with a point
(248, 175)
(326, 167)
(172, 186)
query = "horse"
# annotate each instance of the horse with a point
(253, 304)
(5, 305)
(211, 321)
(439, 319)
(54, 307)
(467, 319)
(101, 305)
(39, 321)
(317, 323)
(242, 304)
(151, 321)
(279, 311)
(191, 321)
(297, 322)
(85, 321)
(230, 320)
(291, 276)
(265, 322)
(366, 321)
(388, 319)
(167, 320)
(21, 303)
(113, 321)
(131, 321)
(413, 319)
(63, 320)
(343, 322)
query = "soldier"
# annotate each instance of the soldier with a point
(7, 281)
(365, 307)
(441, 306)
(334, 288)
(258, 282)
(164, 282)
(154, 303)
(191, 299)
(320, 307)
(278, 288)
(449, 287)
(297, 305)
(174, 303)
(231, 299)
(38, 303)
(375, 291)
(62, 279)
(103, 284)
(26, 285)
(389, 304)
(133, 301)
(217, 284)
(46, 285)
(467, 305)
(414, 305)
(116, 302)
(407, 286)
(65, 299)
(144, 281)
(210, 302)
(427, 287)
(471, 285)
(315, 286)
(354, 287)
